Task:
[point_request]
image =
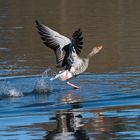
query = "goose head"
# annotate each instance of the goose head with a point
(94, 51)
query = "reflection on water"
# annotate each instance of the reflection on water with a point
(69, 124)
(80, 125)
(105, 107)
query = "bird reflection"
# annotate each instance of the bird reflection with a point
(69, 123)
(99, 123)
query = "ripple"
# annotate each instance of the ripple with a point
(103, 101)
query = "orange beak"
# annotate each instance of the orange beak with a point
(99, 47)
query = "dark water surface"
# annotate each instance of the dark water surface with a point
(107, 105)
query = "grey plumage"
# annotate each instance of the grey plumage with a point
(66, 50)
(61, 45)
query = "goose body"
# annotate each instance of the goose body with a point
(66, 51)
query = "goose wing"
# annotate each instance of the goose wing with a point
(74, 49)
(77, 41)
(53, 40)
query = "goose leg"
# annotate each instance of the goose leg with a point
(72, 85)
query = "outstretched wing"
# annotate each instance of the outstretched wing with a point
(77, 41)
(53, 40)
(75, 49)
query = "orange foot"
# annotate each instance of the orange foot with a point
(72, 85)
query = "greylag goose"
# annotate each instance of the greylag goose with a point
(67, 52)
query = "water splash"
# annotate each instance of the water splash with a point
(44, 85)
(57, 75)
(9, 91)
(14, 93)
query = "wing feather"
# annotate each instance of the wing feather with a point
(77, 41)
(53, 40)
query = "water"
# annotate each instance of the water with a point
(107, 105)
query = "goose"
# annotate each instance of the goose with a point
(67, 52)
